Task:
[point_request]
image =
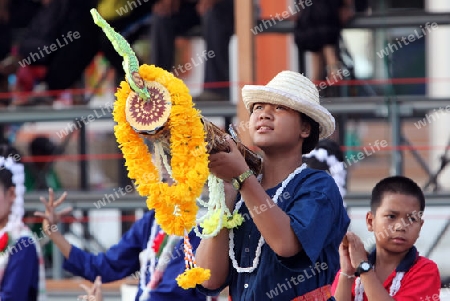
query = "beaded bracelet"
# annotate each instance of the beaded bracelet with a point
(348, 276)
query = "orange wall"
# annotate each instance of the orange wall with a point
(271, 49)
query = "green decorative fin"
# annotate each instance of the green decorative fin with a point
(130, 63)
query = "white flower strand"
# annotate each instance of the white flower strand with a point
(359, 290)
(336, 167)
(396, 283)
(149, 254)
(216, 203)
(161, 155)
(395, 286)
(157, 158)
(261, 239)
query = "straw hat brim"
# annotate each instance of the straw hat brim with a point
(252, 94)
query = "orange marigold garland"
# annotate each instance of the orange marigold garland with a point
(158, 99)
(193, 275)
(175, 206)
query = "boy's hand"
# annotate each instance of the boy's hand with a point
(228, 165)
(344, 257)
(356, 248)
(94, 293)
(50, 216)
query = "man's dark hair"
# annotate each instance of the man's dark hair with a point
(399, 185)
(6, 176)
(41, 146)
(311, 142)
(332, 148)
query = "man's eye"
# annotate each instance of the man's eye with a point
(412, 219)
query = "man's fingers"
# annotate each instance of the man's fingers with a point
(51, 196)
(65, 211)
(46, 204)
(85, 288)
(41, 214)
(60, 199)
(43, 200)
(98, 280)
(232, 144)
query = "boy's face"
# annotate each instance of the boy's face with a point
(396, 223)
(276, 126)
(7, 197)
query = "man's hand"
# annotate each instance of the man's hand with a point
(228, 165)
(50, 216)
(94, 293)
(204, 5)
(166, 8)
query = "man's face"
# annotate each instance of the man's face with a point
(396, 223)
(276, 127)
(7, 197)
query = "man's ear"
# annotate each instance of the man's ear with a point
(305, 129)
(369, 220)
(11, 193)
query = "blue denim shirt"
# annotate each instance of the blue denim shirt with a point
(320, 221)
(122, 259)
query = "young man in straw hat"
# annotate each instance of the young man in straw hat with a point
(294, 219)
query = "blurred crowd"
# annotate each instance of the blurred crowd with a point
(47, 45)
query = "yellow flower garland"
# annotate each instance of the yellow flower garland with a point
(192, 277)
(229, 221)
(175, 206)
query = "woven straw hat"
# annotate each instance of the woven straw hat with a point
(293, 90)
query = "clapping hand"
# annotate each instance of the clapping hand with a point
(351, 253)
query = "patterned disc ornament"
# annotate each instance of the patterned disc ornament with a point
(147, 117)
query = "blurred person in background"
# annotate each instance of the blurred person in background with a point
(318, 30)
(40, 174)
(14, 15)
(62, 39)
(329, 157)
(175, 17)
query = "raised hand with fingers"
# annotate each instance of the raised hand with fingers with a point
(50, 216)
